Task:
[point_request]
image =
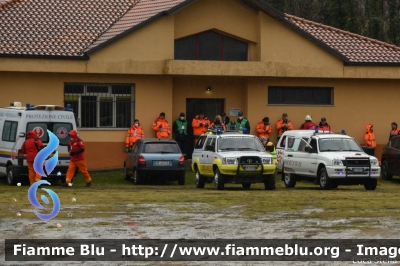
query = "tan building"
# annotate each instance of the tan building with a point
(116, 60)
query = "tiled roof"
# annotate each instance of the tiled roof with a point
(69, 28)
(353, 47)
(143, 11)
(76, 28)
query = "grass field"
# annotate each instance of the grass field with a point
(110, 193)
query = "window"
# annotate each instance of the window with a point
(300, 95)
(59, 129)
(200, 142)
(101, 105)
(210, 45)
(396, 143)
(9, 131)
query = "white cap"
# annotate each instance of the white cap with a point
(308, 118)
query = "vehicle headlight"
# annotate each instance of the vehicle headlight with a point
(267, 160)
(337, 162)
(231, 160)
(374, 162)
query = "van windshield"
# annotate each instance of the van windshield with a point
(59, 129)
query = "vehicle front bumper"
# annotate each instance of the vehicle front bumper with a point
(358, 172)
(232, 169)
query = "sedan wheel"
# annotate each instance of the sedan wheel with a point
(137, 179)
(126, 175)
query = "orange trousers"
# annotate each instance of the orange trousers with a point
(33, 176)
(81, 164)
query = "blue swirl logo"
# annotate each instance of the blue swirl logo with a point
(32, 198)
(44, 153)
(49, 164)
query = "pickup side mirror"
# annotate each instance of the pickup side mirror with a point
(210, 148)
(310, 150)
(126, 150)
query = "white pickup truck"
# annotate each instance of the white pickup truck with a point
(326, 158)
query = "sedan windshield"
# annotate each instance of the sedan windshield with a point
(239, 143)
(339, 145)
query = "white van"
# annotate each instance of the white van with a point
(16, 121)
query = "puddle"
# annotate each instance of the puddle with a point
(155, 221)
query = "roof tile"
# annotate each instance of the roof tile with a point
(357, 48)
(70, 28)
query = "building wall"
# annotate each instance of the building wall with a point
(356, 104)
(227, 16)
(104, 146)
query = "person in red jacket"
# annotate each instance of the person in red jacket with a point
(76, 149)
(161, 127)
(369, 136)
(308, 124)
(134, 133)
(264, 128)
(31, 147)
(324, 126)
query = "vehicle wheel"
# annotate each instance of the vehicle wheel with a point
(219, 180)
(289, 180)
(126, 175)
(11, 179)
(324, 181)
(385, 171)
(269, 183)
(200, 180)
(137, 179)
(246, 185)
(370, 184)
(181, 179)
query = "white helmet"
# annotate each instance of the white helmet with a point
(308, 118)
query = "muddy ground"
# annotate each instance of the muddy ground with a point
(168, 222)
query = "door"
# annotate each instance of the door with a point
(210, 107)
(292, 162)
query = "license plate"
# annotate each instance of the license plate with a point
(162, 163)
(250, 168)
(358, 170)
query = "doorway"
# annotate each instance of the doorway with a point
(210, 107)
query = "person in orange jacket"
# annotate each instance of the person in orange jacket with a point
(283, 124)
(264, 128)
(134, 133)
(369, 136)
(161, 127)
(31, 147)
(200, 125)
(76, 149)
(395, 130)
(324, 126)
